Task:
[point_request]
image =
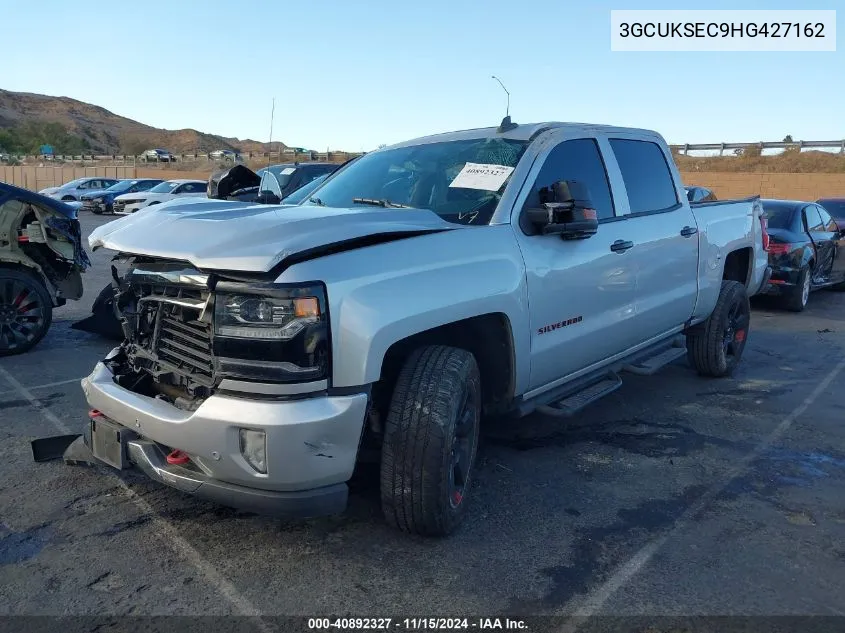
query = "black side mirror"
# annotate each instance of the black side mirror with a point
(267, 197)
(570, 213)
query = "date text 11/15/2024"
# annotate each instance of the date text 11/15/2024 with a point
(417, 624)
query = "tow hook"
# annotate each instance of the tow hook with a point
(177, 458)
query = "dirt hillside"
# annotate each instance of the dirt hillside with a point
(106, 132)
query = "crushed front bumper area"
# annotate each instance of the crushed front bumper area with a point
(311, 446)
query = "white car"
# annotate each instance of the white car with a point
(73, 190)
(168, 190)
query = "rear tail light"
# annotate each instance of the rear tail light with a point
(777, 248)
(764, 226)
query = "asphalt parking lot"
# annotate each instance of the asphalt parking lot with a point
(675, 495)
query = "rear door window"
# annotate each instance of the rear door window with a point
(646, 174)
(813, 219)
(827, 221)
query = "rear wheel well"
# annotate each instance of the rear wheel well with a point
(738, 266)
(487, 337)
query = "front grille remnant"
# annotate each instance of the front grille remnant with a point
(187, 347)
(168, 328)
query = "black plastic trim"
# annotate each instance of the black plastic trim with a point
(351, 391)
(642, 214)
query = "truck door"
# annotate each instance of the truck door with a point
(581, 292)
(663, 230)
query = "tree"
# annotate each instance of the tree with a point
(788, 139)
(30, 136)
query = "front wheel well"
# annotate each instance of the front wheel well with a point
(487, 337)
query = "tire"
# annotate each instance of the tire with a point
(26, 311)
(96, 211)
(796, 299)
(430, 441)
(714, 348)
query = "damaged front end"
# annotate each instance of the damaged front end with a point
(189, 334)
(42, 235)
(164, 312)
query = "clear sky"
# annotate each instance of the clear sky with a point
(353, 74)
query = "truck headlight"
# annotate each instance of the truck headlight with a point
(271, 332)
(250, 316)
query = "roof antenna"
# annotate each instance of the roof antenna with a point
(506, 123)
(270, 148)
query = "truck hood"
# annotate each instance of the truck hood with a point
(256, 238)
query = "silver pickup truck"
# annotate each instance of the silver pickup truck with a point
(494, 271)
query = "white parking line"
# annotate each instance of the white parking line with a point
(592, 603)
(45, 385)
(170, 534)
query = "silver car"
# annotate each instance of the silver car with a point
(75, 189)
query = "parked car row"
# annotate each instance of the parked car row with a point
(164, 156)
(162, 192)
(103, 201)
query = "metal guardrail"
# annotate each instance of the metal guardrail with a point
(687, 147)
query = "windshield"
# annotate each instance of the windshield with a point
(461, 181)
(836, 208)
(779, 215)
(165, 187)
(305, 190)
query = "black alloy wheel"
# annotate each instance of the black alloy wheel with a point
(26, 311)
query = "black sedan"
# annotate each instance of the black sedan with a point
(699, 194)
(805, 251)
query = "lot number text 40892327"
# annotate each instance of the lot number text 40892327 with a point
(417, 624)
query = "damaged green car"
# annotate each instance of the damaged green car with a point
(41, 265)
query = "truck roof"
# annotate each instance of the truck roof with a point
(522, 132)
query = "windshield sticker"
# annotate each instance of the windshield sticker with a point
(287, 171)
(482, 176)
